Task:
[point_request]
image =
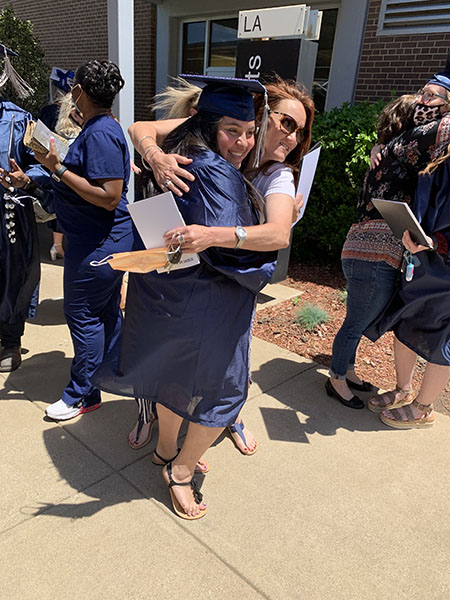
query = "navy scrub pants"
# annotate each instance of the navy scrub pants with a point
(92, 310)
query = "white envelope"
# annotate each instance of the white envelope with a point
(153, 217)
(305, 181)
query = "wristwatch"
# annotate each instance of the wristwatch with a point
(241, 235)
(59, 173)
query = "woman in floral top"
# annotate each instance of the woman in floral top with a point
(372, 256)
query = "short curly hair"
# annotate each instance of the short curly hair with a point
(101, 81)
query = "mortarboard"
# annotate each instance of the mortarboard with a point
(232, 97)
(443, 78)
(22, 88)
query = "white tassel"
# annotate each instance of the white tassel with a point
(22, 88)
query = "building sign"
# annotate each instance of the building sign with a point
(257, 58)
(272, 22)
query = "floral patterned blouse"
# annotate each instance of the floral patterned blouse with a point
(395, 178)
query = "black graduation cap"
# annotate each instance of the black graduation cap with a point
(443, 78)
(5, 50)
(227, 96)
(232, 97)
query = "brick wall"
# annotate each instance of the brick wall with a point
(71, 33)
(144, 57)
(402, 63)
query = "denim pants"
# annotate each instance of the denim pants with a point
(370, 286)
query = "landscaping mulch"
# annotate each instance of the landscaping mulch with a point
(322, 286)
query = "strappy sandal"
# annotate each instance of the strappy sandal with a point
(238, 428)
(135, 444)
(198, 496)
(425, 421)
(394, 399)
(162, 462)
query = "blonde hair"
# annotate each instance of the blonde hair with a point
(65, 126)
(176, 101)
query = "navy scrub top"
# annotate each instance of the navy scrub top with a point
(99, 152)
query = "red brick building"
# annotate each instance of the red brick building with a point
(367, 48)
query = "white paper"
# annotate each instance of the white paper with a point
(43, 135)
(305, 181)
(153, 217)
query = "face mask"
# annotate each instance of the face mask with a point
(74, 104)
(424, 114)
(139, 261)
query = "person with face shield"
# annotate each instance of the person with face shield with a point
(415, 132)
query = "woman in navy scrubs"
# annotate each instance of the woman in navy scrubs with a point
(90, 198)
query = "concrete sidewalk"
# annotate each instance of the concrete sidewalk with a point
(334, 505)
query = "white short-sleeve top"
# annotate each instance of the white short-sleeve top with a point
(277, 179)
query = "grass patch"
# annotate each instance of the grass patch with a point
(343, 293)
(309, 316)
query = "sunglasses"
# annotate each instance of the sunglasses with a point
(427, 96)
(288, 125)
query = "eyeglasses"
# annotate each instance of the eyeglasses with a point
(427, 96)
(288, 125)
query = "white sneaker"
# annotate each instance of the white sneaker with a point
(60, 411)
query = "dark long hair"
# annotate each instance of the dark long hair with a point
(200, 131)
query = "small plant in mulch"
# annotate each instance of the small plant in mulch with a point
(343, 293)
(310, 316)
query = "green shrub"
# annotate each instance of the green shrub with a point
(17, 34)
(347, 135)
(311, 315)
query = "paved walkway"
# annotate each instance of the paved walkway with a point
(334, 505)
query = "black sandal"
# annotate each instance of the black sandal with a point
(165, 461)
(198, 496)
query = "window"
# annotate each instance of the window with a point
(193, 47)
(209, 47)
(323, 61)
(413, 16)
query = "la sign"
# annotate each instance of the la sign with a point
(272, 22)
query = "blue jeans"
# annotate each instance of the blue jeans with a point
(370, 286)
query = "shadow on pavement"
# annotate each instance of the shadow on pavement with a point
(42, 377)
(50, 312)
(305, 393)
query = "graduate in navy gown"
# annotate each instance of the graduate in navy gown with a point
(22, 181)
(420, 312)
(185, 342)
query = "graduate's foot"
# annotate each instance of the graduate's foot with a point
(186, 497)
(202, 465)
(141, 433)
(10, 359)
(243, 438)
(393, 399)
(414, 415)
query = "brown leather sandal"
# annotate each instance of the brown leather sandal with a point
(393, 399)
(425, 421)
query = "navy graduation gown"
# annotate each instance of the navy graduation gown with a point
(419, 313)
(186, 334)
